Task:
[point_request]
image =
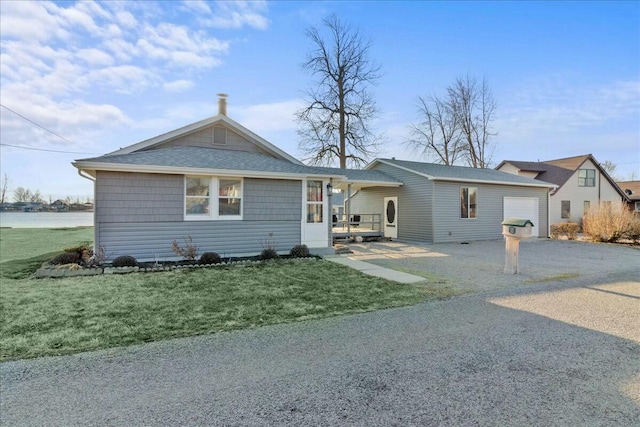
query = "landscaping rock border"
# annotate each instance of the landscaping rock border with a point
(73, 270)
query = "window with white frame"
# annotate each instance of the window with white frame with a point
(468, 202)
(587, 178)
(314, 201)
(201, 201)
(637, 206)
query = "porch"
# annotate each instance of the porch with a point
(365, 225)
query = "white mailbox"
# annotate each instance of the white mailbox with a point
(514, 229)
(517, 227)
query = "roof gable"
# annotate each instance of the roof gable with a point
(219, 119)
(559, 171)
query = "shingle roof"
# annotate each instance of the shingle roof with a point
(461, 173)
(207, 158)
(546, 172)
(633, 187)
(232, 160)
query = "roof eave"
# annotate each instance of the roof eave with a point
(92, 167)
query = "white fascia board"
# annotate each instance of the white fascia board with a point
(91, 167)
(484, 181)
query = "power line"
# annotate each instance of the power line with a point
(44, 149)
(44, 128)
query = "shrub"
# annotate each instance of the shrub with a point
(568, 229)
(189, 252)
(608, 222)
(299, 251)
(268, 254)
(210, 258)
(124, 261)
(66, 258)
(633, 233)
(79, 249)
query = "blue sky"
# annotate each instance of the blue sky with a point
(566, 75)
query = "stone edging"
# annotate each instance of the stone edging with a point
(73, 270)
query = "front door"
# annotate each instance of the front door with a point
(391, 217)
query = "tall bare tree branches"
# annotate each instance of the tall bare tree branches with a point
(335, 124)
(457, 127)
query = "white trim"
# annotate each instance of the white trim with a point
(214, 201)
(88, 167)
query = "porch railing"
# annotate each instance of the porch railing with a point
(355, 223)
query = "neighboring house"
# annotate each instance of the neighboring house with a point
(59, 206)
(439, 203)
(632, 190)
(235, 193)
(581, 183)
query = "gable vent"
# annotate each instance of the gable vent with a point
(219, 135)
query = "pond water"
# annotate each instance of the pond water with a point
(46, 219)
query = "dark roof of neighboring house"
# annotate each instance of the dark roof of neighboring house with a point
(559, 171)
(546, 172)
(633, 187)
(225, 160)
(462, 173)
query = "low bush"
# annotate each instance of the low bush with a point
(566, 229)
(124, 261)
(189, 252)
(268, 254)
(66, 258)
(299, 251)
(633, 233)
(608, 222)
(210, 258)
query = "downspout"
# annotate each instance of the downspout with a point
(96, 245)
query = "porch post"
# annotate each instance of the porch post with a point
(349, 209)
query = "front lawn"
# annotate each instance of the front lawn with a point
(59, 316)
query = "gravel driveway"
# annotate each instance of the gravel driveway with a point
(478, 266)
(547, 354)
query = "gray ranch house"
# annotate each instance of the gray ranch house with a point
(235, 193)
(439, 203)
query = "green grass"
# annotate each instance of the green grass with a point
(59, 316)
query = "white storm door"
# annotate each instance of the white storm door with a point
(391, 217)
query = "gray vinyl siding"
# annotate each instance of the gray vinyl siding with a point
(141, 214)
(151, 241)
(414, 203)
(138, 197)
(205, 138)
(449, 227)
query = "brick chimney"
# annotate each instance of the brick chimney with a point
(222, 104)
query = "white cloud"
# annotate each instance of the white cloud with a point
(198, 6)
(271, 117)
(95, 56)
(237, 14)
(178, 86)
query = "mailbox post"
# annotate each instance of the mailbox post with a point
(514, 229)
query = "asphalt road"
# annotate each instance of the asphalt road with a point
(554, 354)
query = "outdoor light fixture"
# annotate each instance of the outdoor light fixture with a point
(329, 190)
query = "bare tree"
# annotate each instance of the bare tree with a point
(610, 168)
(474, 105)
(438, 134)
(22, 194)
(4, 188)
(335, 124)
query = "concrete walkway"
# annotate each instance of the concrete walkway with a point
(375, 270)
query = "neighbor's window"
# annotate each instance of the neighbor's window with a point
(586, 206)
(314, 201)
(637, 206)
(468, 200)
(201, 203)
(229, 197)
(197, 195)
(587, 178)
(565, 209)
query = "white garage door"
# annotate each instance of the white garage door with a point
(522, 207)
